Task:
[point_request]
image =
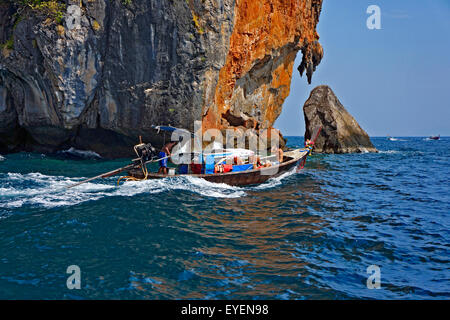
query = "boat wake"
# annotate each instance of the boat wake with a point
(189, 184)
(39, 190)
(275, 182)
(35, 189)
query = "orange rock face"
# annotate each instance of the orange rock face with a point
(256, 77)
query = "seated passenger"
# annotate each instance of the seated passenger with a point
(218, 168)
(267, 164)
(238, 161)
(256, 161)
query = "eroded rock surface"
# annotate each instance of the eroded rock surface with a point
(110, 69)
(340, 131)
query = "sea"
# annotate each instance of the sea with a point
(352, 226)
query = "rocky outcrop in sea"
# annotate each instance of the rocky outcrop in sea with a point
(340, 132)
(96, 74)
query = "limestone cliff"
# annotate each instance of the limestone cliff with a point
(96, 74)
(340, 132)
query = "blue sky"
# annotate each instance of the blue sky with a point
(394, 81)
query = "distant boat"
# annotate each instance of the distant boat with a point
(391, 138)
(435, 137)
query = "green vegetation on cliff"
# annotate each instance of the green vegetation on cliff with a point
(9, 44)
(53, 9)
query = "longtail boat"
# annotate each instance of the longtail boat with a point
(291, 159)
(246, 173)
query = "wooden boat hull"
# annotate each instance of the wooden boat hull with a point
(250, 177)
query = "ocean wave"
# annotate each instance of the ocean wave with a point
(87, 154)
(364, 150)
(388, 151)
(2, 158)
(274, 182)
(48, 191)
(36, 189)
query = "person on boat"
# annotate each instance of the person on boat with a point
(256, 161)
(279, 153)
(238, 161)
(164, 155)
(258, 164)
(223, 168)
(268, 164)
(218, 168)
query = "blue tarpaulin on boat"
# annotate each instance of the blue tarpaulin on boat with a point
(243, 167)
(209, 164)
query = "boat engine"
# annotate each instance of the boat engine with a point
(145, 152)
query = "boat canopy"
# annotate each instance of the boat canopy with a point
(217, 151)
(172, 129)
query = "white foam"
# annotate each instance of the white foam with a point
(2, 158)
(49, 191)
(82, 153)
(190, 184)
(216, 190)
(274, 182)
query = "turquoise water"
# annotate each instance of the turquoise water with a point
(307, 235)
